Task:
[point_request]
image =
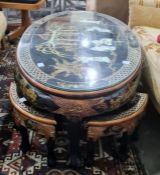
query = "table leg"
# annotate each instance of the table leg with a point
(2, 44)
(25, 145)
(24, 24)
(123, 148)
(74, 132)
(50, 154)
(90, 152)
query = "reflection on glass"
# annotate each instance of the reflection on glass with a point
(91, 76)
(85, 42)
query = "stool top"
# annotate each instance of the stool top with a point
(23, 106)
(79, 52)
(127, 112)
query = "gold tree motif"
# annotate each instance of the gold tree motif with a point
(69, 68)
(59, 37)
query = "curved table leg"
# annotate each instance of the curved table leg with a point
(24, 24)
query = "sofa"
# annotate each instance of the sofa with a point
(3, 25)
(144, 19)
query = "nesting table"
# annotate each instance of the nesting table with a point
(80, 67)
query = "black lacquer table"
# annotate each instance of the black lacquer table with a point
(78, 65)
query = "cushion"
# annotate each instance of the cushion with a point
(144, 16)
(3, 24)
(151, 50)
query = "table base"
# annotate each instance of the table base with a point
(118, 126)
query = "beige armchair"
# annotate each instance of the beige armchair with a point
(144, 18)
(115, 8)
(3, 25)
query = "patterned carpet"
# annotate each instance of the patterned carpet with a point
(12, 162)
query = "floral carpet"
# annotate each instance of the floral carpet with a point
(12, 162)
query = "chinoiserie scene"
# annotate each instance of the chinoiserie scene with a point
(79, 87)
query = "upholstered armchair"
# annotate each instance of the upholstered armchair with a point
(144, 19)
(3, 25)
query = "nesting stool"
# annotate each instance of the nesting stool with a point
(27, 117)
(120, 124)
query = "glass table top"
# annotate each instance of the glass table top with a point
(79, 51)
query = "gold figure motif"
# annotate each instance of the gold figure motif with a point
(74, 108)
(59, 38)
(101, 105)
(69, 68)
(63, 42)
(27, 91)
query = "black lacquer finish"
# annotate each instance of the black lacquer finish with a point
(79, 51)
